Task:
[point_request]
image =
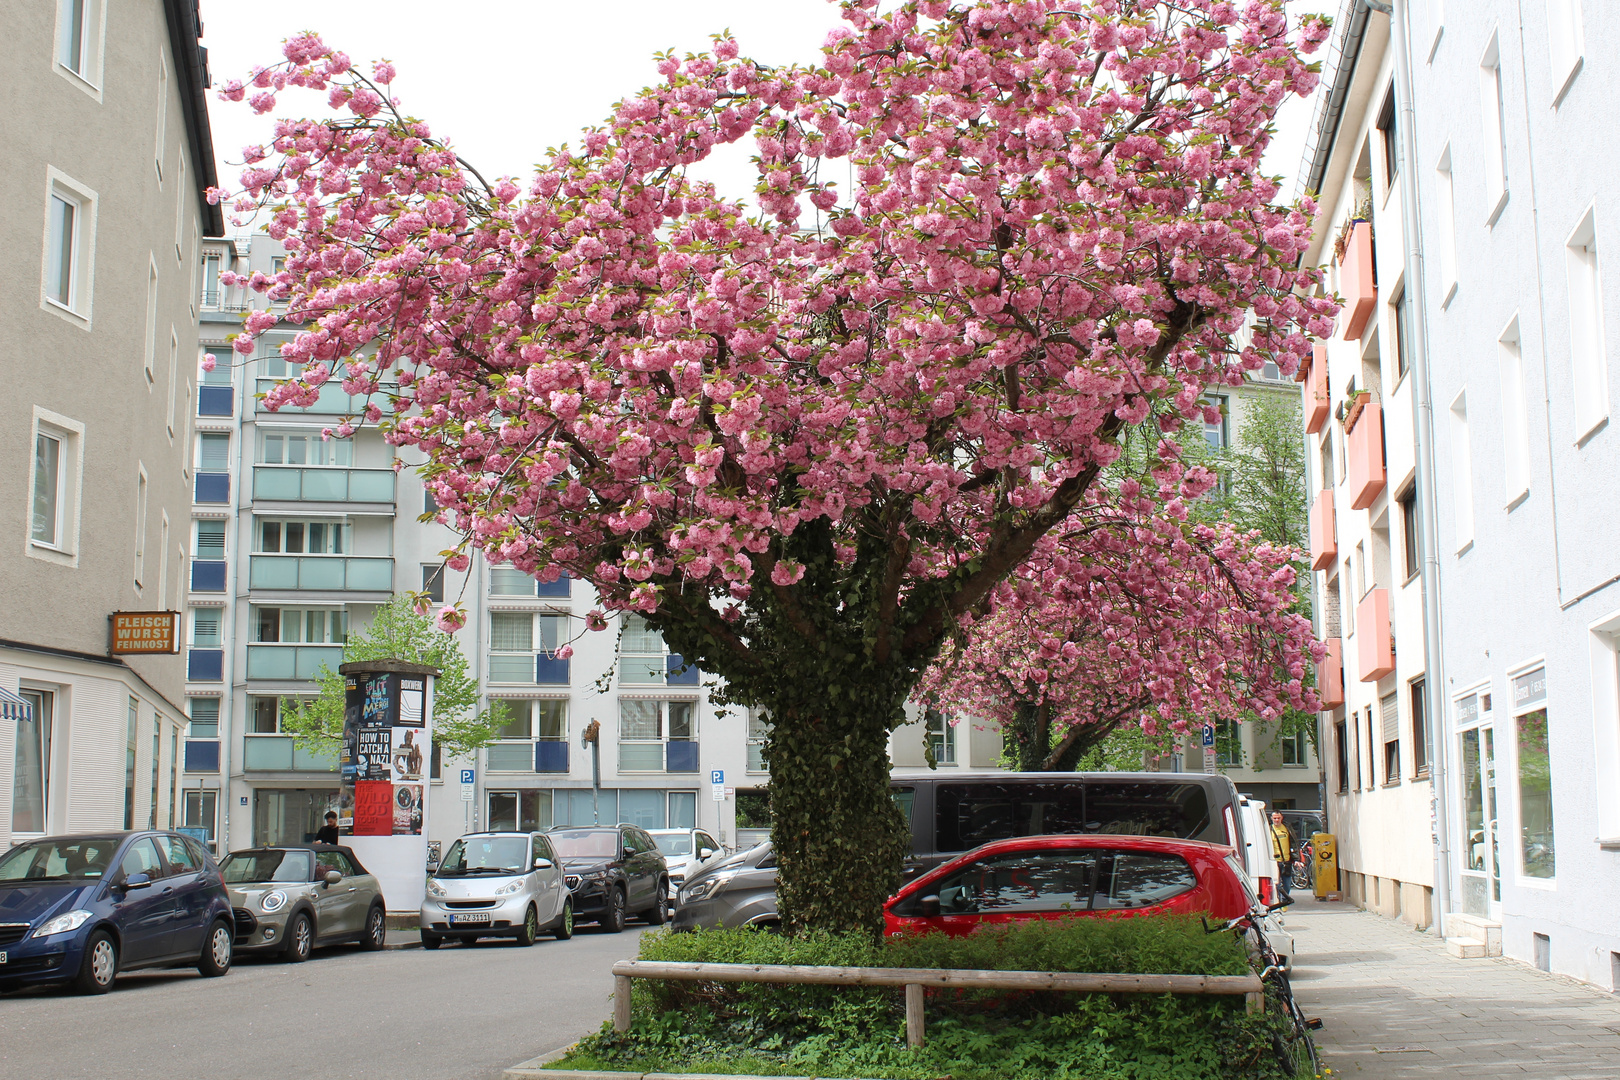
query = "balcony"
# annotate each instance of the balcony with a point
(1356, 281)
(278, 753)
(675, 755)
(675, 676)
(1364, 443)
(1375, 645)
(205, 665)
(207, 575)
(331, 402)
(289, 483)
(1324, 542)
(1317, 405)
(508, 757)
(541, 668)
(551, 756)
(291, 662)
(216, 401)
(202, 755)
(213, 487)
(1330, 675)
(321, 573)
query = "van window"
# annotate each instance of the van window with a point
(904, 798)
(1180, 811)
(967, 815)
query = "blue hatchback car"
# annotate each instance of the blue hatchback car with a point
(80, 909)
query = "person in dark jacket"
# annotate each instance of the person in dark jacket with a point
(328, 833)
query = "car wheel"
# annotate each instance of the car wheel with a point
(530, 928)
(99, 966)
(565, 924)
(613, 918)
(431, 941)
(216, 954)
(300, 939)
(376, 935)
(659, 914)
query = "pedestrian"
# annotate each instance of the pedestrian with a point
(1282, 850)
(328, 833)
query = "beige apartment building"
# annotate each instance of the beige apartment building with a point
(105, 185)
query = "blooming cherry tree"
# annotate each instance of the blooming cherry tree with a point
(806, 437)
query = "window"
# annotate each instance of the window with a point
(1420, 729)
(45, 524)
(1403, 331)
(1293, 748)
(151, 319)
(1341, 744)
(306, 626)
(205, 627)
(204, 717)
(1495, 131)
(641, 653)
(289, 448)
(1536, 847)
(1462, 478)
(941, 738)
(759, 731)
(1515, 416)
(1061, 881)
(1215, 434)
(1327, 461)
(508, 582)
(273, 537)
(520, 635)
(430, 505)
(210, 543)
(520, 811)
(70, 220)
(1389, 128)
(78, 41)
(1228, 743)
(174, 377)
(544, 720)
(657, 735)
(157, 770)
(1566, 41)
(31, 769)
(1347, 604)
(433, 581)
(1389, 708)
(210, 281)
(140, 525)
(1446, 227)
(267, 715)
(180, 207)
(202, 808)
(1411, 541)
(1370, 777)
(1586, 327)
(213, 452)
(163, 556)
(129, 762)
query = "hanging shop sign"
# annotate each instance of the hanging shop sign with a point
(137, 633)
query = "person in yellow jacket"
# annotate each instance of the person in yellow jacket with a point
(1282, 850)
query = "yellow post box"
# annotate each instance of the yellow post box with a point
(1326, 857)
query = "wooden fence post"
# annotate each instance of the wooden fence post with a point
(1253, 1003)
(914, 1015)
(621, 1003)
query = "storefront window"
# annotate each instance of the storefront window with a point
(31, 769)
(1535, 775)
(290, 816)
(520, 811)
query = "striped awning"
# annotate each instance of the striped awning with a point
(13, 707)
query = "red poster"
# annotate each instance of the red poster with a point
(373, 808)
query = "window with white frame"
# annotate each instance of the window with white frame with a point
(211, 297)
(174, 377)
(278, 536)
(141, 487)
(504, 581)
(299, 626)
(514, 639)
(1515, 415)
(641, 653)
(304, 448)
(646, 724)
(162, 111)
(529, 721)
(79, 36)
(268, 715)
(204, 713)
(1445, 225)
(151, 320)
(70, 222)
(213, 452)
(1566, 41)
(53, 487)
(941, 734)
(1462, 473)
(210, 543)
(1494, 129)
(206, 623)
(202, 809)
(180, 207)
(759, 730)
(1293, 748)
(1587, 362)
(1537, 850)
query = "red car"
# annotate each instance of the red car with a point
(1049, 877)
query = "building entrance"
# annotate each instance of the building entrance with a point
(1481, 870)
(290, 816)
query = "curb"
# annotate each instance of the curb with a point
(535, 1067)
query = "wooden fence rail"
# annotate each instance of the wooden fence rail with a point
(915, 979)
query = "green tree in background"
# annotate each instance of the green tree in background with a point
(399, 633)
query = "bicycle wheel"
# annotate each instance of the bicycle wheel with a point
(1291, 1040)
(1300, 876)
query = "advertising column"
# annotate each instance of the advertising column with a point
(387, 747)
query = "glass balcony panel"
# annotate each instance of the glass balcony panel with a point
(641, 757)
(674, 675)
(216, 401)
(551, 755)
(550, 671)
(309, 659)
(318, 573)
(553, 590)
(202, 755)
(517, 668)
(273, 572)
(371, 575)
(332, 401)
(274, 483)
(371, 485)
(641, 670)
(213, 487)
(271, 661)
(681, 755)
(207, 575)
(510, 757)
(314, 760)
(205, 665)
(265, 752)
(325, 485)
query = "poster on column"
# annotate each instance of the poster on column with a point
(373, 808)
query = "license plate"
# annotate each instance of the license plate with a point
(2, 957)
(470, 917)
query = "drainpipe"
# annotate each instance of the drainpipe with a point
(1423, 432)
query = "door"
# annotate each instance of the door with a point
(143, 916)
(1480, 871)
(193, 892)
(549, 891)
(335, 905)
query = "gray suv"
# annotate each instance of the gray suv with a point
(739, 891)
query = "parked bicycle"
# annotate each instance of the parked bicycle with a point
(1302, 872)
(1291, 1040)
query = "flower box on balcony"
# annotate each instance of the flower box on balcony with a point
(1365, 446)
(1354, 406)
(1356, 283)
(1324, 542)
(1375, 645)
(1330, 675)
(1315, 377)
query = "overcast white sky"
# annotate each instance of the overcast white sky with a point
(505, 79)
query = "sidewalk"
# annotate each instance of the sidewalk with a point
(1396, 1006)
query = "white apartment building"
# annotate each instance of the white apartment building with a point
(105, 195)
(1518, 210)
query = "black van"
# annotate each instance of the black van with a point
(950, 814)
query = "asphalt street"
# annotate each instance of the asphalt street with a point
(457, 1013)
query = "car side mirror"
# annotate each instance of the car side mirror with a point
(332, 877)
(542, 864)
(930, 906)
(705, 852)
(137, 881)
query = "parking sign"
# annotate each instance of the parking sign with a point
(1209, 735)
(466, 776)
(718, 777)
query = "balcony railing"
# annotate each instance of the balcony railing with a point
(267, 753)
(202, 755)
(677, 673)
(551, 756)
(541, 668)
(205, 665)
(1375, 645)
(1365, 444)
(509, 757)
(269, 661)
(208, 575)
(1356, 281)
(216, 401)
(290, 483)
(1324, 542)
(673, 755)
(322, 573)
(1330, 675)
(331, 402)
(213, 487)
(1317, 404)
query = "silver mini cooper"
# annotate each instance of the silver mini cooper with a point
(497, 884)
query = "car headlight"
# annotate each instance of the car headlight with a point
(435, 889)
(707, 887)
(63, 924)
(509, 888)
(273, 901)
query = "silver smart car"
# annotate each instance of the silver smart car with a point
(497, 884)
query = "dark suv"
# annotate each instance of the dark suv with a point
(611, 870)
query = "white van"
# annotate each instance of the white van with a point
(1262, 869)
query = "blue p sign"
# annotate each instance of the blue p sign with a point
(717, 776)
(466, 776)
(1209, 735)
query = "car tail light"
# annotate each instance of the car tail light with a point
(1265, 891)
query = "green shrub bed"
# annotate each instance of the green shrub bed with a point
(850, 1031)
